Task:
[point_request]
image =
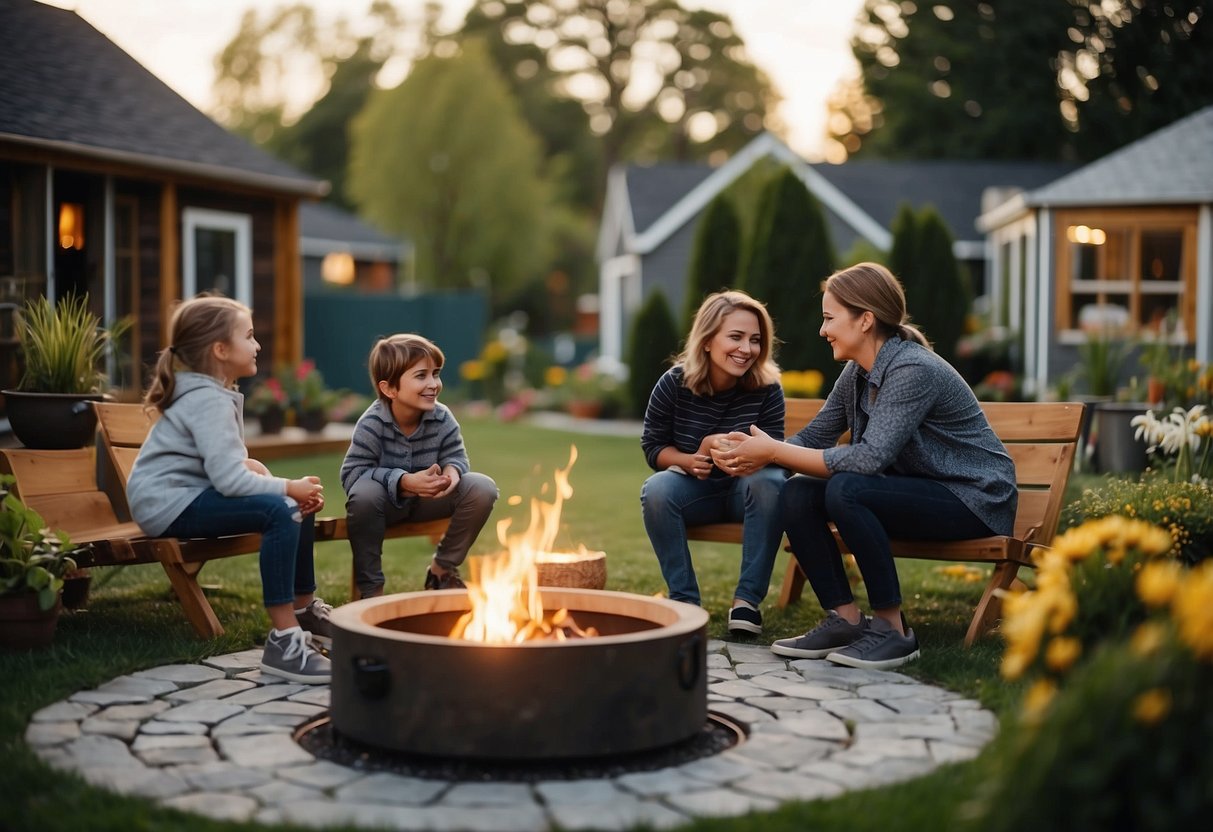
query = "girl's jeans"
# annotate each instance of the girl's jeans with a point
(287, 569)
(671, 501)
(867, 510)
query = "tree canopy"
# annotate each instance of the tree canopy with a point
(715, 256)
(446, 159)
(1043, 79)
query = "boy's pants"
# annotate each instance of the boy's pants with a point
(370, 511)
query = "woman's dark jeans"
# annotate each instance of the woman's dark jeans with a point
(287, 535)
(867, 510)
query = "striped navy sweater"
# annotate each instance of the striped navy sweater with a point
(676, 416)
(379, 448)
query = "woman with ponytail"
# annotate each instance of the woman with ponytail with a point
(193, 478)
(922, 463)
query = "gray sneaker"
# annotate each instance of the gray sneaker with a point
(881, 648)
(833, 632)
(315, 619)
(292, 657)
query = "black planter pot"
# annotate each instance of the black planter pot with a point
(52, 421)
(1116, 449)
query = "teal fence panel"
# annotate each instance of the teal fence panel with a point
(339, 331)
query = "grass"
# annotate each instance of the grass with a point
(132, 622)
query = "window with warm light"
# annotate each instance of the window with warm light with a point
(71, 225)
(337, 268)
(1124, 271)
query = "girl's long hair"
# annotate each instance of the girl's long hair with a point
(708, 321)
(870, 287)
(198, 323)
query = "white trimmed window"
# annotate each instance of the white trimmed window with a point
(217, 254)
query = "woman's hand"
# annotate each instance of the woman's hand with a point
(750, 452)
(305, 490)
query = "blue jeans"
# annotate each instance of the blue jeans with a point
(867, 511)
(670, 502)
(287, 569)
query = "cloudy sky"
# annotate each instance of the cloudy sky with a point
(802, 44)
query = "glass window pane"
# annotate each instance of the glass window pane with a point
(1161, 255)
(215, 261)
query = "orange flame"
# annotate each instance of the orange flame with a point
(506, 605)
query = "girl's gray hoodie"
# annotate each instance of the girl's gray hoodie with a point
(197, 444)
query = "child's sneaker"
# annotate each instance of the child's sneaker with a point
(450, 580)
(315, 619)
(290, 656)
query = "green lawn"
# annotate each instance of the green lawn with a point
(132, 622)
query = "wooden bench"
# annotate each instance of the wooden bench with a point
(1040, 437)
(83, 492)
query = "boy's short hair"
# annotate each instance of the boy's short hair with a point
(391, 356)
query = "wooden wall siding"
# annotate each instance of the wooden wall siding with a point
(6, 221)
(288, 283)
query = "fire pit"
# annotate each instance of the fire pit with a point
(400, 682)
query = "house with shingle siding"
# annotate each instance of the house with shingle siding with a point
(114, 185)
(1123, 245)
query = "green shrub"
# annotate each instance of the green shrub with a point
(714, 258)
(652, 343)
(1185, 509)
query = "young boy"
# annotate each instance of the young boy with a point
(407, 462)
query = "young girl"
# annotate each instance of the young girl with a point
(193, 477)
(407, 462)
(725, 380)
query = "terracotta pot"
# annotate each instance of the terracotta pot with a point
(25, 626)
(1156, 390)
(585, 409)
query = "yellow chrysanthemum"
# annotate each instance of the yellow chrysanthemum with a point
(494, 352)
(1192, 608)
(1152, 706)
(1015, 661)
(1147, 638)
(471, 370)
(555, 376)
(1157, 582)
(1062, 652)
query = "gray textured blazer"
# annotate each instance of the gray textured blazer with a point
(914, 416)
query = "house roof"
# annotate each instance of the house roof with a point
(65, 86)
(1169, 166)
(955, 188)
(863, 195)
(324, 228)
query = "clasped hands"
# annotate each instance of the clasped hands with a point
(434, 481)
(739, 454)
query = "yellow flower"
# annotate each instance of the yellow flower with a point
(1152, 705)
(471, 370)
(1192, 609)
(1015, 661)
(1062, 652)
(494, 352)
(1037, 699)
(1157, 582)
(1147, 638)
(555, 376)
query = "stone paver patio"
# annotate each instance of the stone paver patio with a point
(216, 739)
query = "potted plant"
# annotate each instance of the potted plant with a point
(268, 402)
(64, 347)
(308, 396)
(33, 563)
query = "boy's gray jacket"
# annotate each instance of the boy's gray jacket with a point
(380, 450)
(197, 444)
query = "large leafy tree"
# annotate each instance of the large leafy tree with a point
(790, 255)
(1042, 79)
(446, 159)
(652, 78)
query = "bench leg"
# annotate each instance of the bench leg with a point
(793, 583)
(184, 578)
(989, 608)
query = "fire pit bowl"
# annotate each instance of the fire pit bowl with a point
(400, 683)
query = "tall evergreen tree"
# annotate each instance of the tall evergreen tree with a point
(903, 256)
(652, 342)
(790, 255)
(715, 257)
(943, 305)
